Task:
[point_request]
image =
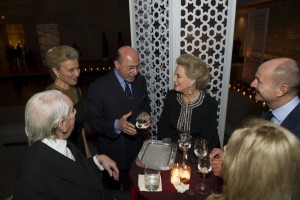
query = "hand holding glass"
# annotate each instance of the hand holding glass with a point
(143, 122)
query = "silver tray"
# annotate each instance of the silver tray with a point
(157, 155)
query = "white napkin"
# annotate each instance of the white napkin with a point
(141, 182)
(181, 187)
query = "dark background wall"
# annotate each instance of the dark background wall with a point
(283, 34)
(80, 21)
(85, 21)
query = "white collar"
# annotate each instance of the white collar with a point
(59, 146)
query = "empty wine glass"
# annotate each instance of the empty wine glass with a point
(200, 148)
(204, 167)
(184, 143)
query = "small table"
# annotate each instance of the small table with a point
(168, 190)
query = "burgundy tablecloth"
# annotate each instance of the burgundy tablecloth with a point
(168, 190)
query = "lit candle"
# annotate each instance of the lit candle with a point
(185, 174)
(175, 174)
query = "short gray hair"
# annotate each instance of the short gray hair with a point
(43, 113)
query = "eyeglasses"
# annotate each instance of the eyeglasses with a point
(132, 68)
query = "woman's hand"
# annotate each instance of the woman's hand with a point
(216, 160)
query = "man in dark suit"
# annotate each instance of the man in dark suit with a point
(277, 83)
(114, 101)
(53, 168)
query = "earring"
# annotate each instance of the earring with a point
(190, 92)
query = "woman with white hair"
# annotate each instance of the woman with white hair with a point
(188, 108)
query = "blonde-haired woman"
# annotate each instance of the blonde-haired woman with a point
(64, 68)
(188, 108)
(261, 161)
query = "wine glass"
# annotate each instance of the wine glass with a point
(141, 120)
(201, 148)
(184, 143)
(141, 124)
(204, 167)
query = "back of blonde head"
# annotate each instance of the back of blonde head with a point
(261, 162)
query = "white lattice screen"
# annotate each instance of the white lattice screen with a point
(255, 42)
(163, 29)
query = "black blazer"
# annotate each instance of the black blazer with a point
(203, 121)
(291, 122)
(46, 174)
(106, 102)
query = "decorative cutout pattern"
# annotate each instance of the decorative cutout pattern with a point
(48, 35)
(255, 42)
(152, 42)
(202, 33)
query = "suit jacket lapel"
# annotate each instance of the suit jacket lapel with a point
(289, 121)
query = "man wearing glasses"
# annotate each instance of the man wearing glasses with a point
(114, 101)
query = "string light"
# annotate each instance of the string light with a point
(245, 90)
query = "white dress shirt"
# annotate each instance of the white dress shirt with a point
(61, 147)
(281, 113)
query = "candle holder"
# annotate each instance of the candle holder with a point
(175, 174)
(180, 174)
(185, 175)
